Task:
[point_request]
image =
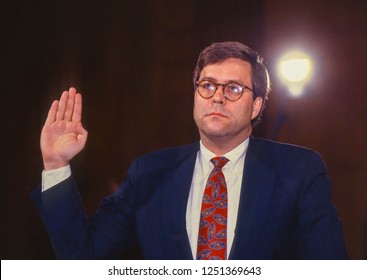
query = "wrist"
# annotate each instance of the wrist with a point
(51, 165)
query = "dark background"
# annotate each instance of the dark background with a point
(133, 63)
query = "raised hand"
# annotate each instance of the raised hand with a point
(63, 135)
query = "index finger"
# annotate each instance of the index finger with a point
(51, 116)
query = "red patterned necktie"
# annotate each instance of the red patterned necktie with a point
(212, 239)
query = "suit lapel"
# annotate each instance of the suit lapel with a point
(255, 199)
(175, 193)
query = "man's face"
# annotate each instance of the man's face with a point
(219, 119)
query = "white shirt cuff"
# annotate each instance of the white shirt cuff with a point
(51, 178)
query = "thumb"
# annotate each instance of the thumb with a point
(82, 133)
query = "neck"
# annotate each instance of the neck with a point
(221, 146)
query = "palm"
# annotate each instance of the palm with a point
(63, 135)
(60, 140)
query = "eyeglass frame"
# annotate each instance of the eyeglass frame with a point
(223, 85)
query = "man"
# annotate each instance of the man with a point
(229, 196)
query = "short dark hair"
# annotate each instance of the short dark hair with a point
(218, 52)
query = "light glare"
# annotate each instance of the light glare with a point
(295, 70)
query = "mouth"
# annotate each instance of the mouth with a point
(216, 114)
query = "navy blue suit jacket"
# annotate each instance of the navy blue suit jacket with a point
(285, 209)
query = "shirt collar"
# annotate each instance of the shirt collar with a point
(234, 155)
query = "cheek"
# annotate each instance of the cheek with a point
(198, 107)
(243, 113)
(196, 110)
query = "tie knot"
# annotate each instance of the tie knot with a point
(219, 162)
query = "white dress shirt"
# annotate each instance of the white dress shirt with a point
(232, 171)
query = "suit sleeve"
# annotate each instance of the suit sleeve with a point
(105, 235)
(320, 231)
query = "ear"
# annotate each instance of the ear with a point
(256, 107)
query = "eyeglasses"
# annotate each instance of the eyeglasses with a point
(232, 91)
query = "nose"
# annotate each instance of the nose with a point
(218, 96)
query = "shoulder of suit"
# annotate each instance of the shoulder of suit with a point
(288, 158)
(280, 147)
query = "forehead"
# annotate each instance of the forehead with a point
(232, 69)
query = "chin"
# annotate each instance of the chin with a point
(214, 133)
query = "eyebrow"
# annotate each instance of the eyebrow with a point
(225, 82)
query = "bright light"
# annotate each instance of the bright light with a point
(295, 69)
